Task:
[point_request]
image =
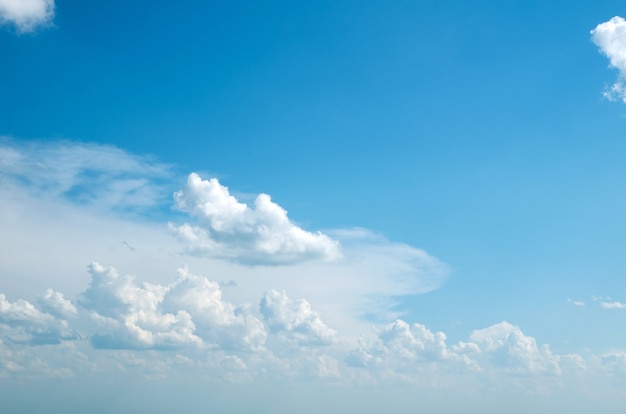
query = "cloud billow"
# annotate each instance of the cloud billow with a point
(228, 229)
(189, 312)
(22, 322)
(295, 321)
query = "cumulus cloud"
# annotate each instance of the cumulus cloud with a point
(507, 347)
(294, 321)
(188, 312)
(405, 351)
(55, 304)
(85, 174)
(228, 229)
(26, 15)
(23, 322)
(610, 37)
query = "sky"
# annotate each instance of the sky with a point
(321, 206)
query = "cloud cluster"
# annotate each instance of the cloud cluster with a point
(159, 329)
(610, 37)
(188, 312)
(400, 349)
(26, 15)
(233, 230)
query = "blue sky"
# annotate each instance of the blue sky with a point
(401, 199)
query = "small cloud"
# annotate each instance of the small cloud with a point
(26, 15)
(610, 37)
(576, 302)
(232, 230)
(613, 305)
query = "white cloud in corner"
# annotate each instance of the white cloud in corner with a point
(232, 230)
(610, 37)
(26, 15)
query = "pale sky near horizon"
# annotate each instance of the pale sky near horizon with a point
(312, 206)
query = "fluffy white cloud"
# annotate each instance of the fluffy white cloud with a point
(405, 351)
(21, 321)
(233, 230)
(294, 321)
(507, 347)
(26, 15)
(403, 348)
(610, 37)
(188, 312)
(217, 321)
(55, 304)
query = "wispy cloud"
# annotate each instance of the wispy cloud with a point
(101, 176)
(26, 15)
(610, 37)
(576, 302)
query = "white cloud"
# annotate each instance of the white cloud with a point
(613, 305)
(21, 321)
(610, 37)
(26, 15)
(219, 322)
(294, 321)
(233, 230)
(53, 188)
(55, 304)
(129, 315)
(407, 351)
(508, 348)
(53, 223)
(188, 312)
